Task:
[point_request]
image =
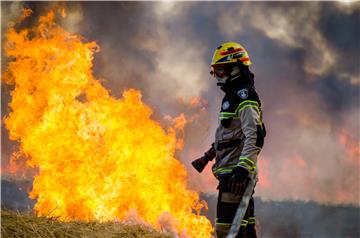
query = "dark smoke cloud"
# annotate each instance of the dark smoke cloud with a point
(306, 58)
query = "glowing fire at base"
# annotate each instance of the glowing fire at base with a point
(99, 158)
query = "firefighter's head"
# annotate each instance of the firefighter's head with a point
(230, 59)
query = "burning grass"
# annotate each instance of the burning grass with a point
(27, 225)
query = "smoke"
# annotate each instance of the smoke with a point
(140, 49)
(178, 56)
(306, 73)
(9, 13)
(294, 25)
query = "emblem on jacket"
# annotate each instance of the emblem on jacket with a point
(243, 93)
(225, 105)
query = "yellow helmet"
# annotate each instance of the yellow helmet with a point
(230, 52)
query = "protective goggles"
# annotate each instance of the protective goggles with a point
(220, 71)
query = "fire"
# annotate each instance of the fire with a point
(352, 147)
(98, 157)
(264, 176)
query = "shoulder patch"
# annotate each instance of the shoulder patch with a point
(225, 105)
(243, 93)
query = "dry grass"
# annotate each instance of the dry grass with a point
(27, 225)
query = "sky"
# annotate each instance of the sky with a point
(306, 61)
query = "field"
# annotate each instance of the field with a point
(280, 219)
(27, 225)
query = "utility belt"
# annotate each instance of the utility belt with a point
(228, 144)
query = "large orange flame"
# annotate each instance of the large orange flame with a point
(98, 157)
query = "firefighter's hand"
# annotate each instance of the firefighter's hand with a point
(200, 164)
(238, 181)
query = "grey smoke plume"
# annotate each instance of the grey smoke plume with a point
(297, 26)
(306, 74)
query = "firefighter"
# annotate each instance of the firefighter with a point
(238, 138)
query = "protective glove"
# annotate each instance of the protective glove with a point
(238, 181)
(200, 164)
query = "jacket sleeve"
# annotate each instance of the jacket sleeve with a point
(249, 113)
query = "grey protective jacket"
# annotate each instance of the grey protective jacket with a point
(240, 134)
